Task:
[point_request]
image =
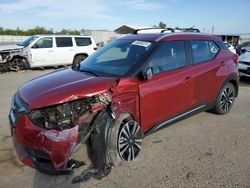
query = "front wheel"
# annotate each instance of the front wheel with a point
(20, 64)
(125, 140)
(225, 99)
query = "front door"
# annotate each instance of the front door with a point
(43, 52)
(170, 91)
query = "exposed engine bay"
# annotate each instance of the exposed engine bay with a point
(13, 58)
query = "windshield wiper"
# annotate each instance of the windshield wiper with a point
(91, 72)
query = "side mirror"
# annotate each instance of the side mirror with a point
(123, 49)
(147, 74)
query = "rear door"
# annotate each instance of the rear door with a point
(170, 91)
(65, 51)
(204, 69)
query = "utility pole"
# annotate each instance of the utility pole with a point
(212, 31)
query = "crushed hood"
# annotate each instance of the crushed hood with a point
(10, 47)
(62, 86)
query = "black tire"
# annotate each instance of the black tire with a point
(20, 64)
(78, 59)
(113, 154)
(225, 99)
(24, 64)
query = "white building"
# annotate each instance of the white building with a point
(244, 38)
(102, 36)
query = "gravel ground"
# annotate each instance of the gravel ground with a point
(205, 150)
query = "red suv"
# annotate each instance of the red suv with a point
(128, 89)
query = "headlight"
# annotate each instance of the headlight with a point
(59, 117)
(67, 115)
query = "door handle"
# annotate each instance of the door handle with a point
(50, 50)
(71, 49)
(223, 63)
(188, 78)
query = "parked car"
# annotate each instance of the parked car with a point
(47, 50)
(230, 47)
(128, 89)
(244, 63)
(243, 45)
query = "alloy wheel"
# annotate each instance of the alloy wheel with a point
(227, 98)
(130, 140)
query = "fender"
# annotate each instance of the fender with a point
(234, 79)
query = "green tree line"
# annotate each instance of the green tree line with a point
(36, 30)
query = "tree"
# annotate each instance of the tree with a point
(35, 31)
(162, 25)
(68, 31)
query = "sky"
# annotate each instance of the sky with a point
(227, 16)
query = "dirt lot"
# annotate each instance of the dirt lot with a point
(206, 150)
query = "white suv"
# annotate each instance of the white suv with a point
(49, 50)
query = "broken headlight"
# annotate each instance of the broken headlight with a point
(59, 117)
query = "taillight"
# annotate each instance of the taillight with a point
(236, 58)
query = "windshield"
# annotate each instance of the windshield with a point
(28, 41)
(117, 58)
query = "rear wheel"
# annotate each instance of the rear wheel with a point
(125, 140)
(225, 99)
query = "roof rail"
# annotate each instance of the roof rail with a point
(188, 29)
(162, 29)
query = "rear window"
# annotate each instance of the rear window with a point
(223, 45)
(81, 41)
(64, 42)
(213, 48)
(204, 50)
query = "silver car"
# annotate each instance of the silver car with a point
(244, 62)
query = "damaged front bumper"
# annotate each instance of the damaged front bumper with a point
(46, 150)
(50, 150)
(12, 59)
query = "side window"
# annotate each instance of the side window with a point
(64, 42)
(80, 41)
(201, 51)
(46, 42)
(169, 56)
(214, 49)
(223, 45)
